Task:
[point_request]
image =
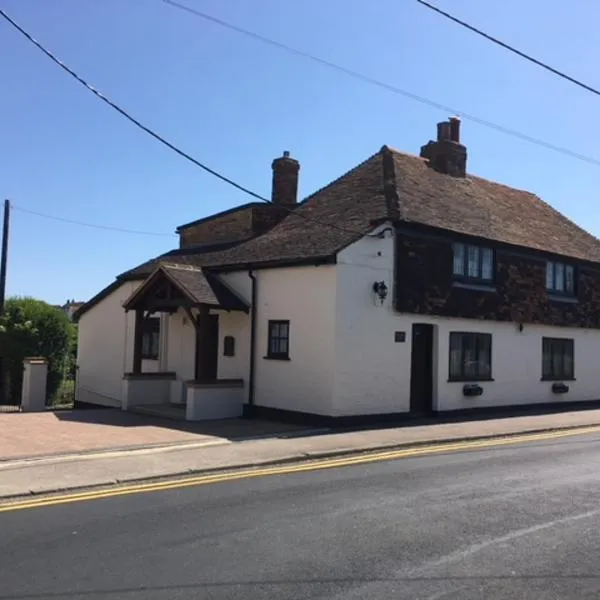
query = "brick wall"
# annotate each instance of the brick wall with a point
(237, 225)
(424, 285)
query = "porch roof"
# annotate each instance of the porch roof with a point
(170, 287)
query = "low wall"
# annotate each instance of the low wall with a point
(220, 399)
(146, 388)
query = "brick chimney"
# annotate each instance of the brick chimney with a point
(285, 180)
(447, 155)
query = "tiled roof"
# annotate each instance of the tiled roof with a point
(391, 185)
(479, 207)
(197, 286)
(204, 288)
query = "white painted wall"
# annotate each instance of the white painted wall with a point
(214, 402)
(105, 348)
(236, 324)
(372, 371)
(180, 353)
(517, 365)
(306, 297)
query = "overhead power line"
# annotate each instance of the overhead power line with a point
(510, 48)
(387, 86)
(94, 225)
(160, 138)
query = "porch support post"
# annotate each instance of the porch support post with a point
(202, 342)
(137, 340)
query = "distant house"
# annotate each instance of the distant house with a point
(70, 307)
(404, 287)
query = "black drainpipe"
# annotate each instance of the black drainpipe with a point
(252, 343)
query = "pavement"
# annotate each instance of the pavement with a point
(86, 449)
(519, 522)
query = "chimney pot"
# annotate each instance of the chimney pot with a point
(447, 155)
(455, 129)
(284, 191)
(443, 131)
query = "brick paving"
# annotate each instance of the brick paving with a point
(72, 431)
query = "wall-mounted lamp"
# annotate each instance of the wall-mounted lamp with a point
(380, 290)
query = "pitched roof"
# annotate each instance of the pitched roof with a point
(394, 186)
(198, 287)
(483, 208)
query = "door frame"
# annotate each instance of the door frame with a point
(422, 371)
(214, 319)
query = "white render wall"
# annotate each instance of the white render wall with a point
(372, 371)
(105, 348)
(306, 297)
(104, 352)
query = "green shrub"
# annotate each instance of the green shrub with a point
(31, 327)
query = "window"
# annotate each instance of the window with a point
(151, 338)
(279, 340)
(228, 345)
(557, 359)
(560, 278)
(473, 262)
(470, 356)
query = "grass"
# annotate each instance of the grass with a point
(65, 395)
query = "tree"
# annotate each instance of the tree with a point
(32, 327)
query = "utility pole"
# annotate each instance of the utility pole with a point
(3, 262)
(4, 255)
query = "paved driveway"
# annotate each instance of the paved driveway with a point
(72, 431)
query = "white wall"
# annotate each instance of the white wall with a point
(517, 365)
(372, 371)
(306, 297)
(105, 351)
(236, 324)
(181, 346)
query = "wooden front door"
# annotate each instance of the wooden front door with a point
(421, 370)
(207, 349)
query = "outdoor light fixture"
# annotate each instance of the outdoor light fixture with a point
(380, 290)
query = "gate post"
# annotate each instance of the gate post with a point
(35, 375)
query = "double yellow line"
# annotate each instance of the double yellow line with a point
(315, 465)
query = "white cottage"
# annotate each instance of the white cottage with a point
(405, 287)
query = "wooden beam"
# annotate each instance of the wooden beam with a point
(189, 313)
(202, 342)
(137, 341)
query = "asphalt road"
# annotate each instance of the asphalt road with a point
(509, 522)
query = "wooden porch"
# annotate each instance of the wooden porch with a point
(170, 289)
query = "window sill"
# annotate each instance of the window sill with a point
(276, 357)
(566, 299)
(475, 286)
(558, 379)
(469, 380)
(149, 357)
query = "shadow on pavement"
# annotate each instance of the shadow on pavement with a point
(231, 429)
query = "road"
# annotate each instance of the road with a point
(508, 522)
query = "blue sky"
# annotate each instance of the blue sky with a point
(235, 104)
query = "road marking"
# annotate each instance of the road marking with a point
(305, 466)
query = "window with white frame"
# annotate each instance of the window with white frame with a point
(560, 278)
(473, 263)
